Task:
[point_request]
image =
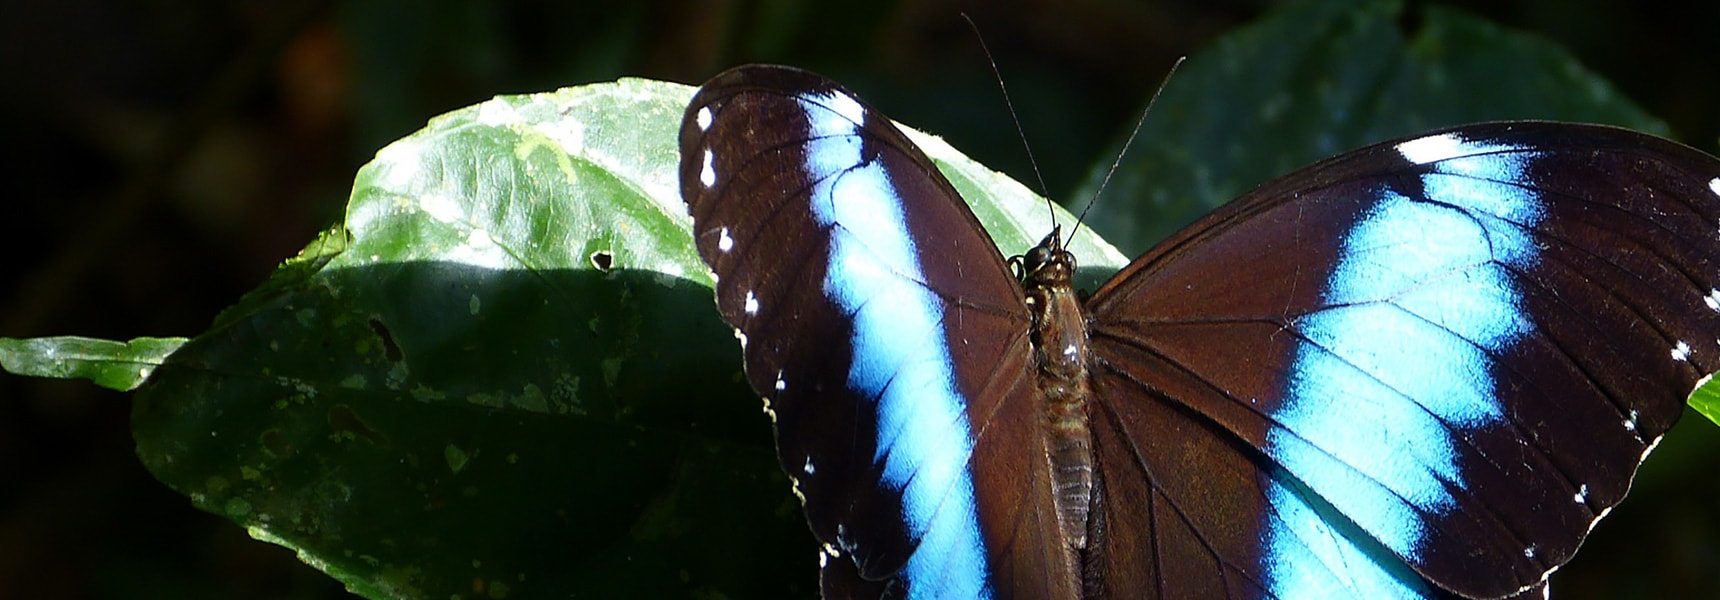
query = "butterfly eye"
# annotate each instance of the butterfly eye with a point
(1017, 267)
(1037, 258)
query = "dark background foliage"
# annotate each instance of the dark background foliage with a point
(166, 155)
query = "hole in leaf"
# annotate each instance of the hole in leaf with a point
(343, 419)
(602, 260)
(390, 350)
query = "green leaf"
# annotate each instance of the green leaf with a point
(505, 372)
(114, 365)
(1314, 79)
(1706, 400)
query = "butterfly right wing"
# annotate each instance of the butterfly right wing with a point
(1427, 367)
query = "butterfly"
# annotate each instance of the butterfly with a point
(1421, 369)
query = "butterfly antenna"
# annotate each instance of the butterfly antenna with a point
(1043, 190)
(1126, 143)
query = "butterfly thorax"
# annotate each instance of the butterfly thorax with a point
(1059, 338)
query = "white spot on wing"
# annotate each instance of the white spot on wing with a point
(848, 107)
(1429, 149)
(1714, 186)
(724, 242)
(1630, 421)
(704, 118)
(781, 384)
(1582, 496)
(1713, 300)
(751, 303)
(708, 174)
(808, 468)
(1435, 148)
(1681, 352)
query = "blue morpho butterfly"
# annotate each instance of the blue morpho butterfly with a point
(1422, 369)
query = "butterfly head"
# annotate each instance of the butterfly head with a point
(1047, 264)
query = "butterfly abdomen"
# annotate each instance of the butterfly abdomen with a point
(1060, 351)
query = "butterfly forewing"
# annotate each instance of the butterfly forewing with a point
(885, 333)
(1461, 344)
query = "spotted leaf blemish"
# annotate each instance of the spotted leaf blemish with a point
(236, 508)
(531, 398)
(484, 400)
(457, 458)
(424, 393)
(565, 395)
(439, 207)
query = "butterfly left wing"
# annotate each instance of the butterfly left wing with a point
(1438, 360)
(886, 334)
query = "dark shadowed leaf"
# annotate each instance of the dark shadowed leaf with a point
(1314, 79)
